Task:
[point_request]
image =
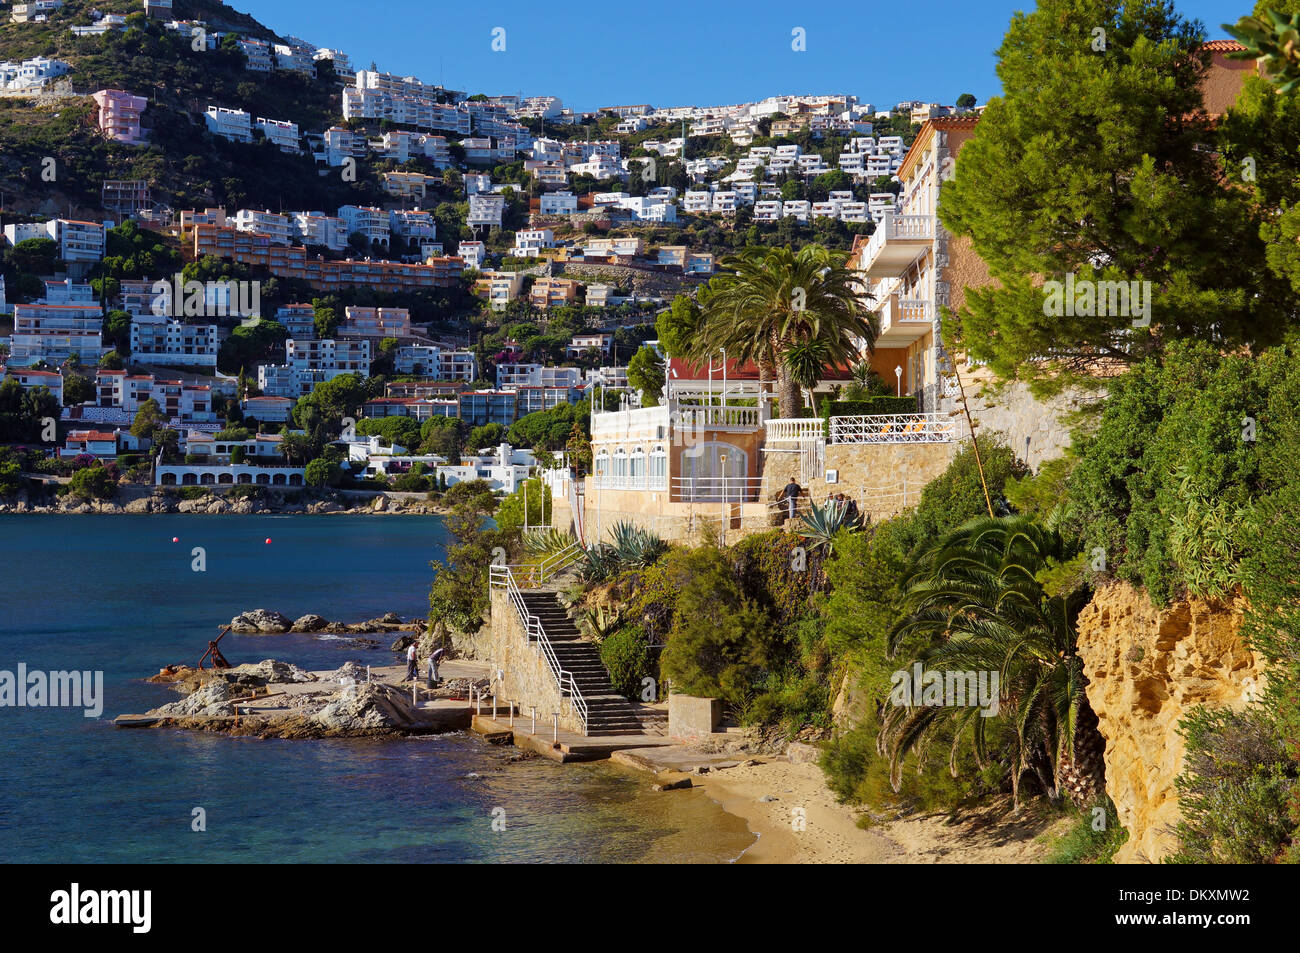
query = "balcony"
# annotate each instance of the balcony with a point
(897, 242)
(903, 320)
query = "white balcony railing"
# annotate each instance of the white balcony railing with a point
(627, 481)
(795, 430)
(893, 428)
(716, 417)
(737, 489)
(897, 241)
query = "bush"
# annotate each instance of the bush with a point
(412, 483)
(93, 483)
(1083, 843)
(626, 656)
(714, 647)
(1235, 790)
(872, 406)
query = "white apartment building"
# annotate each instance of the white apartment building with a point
(317, 228)
(370, 223)
(278, 228)
(293, 59)
(342, 356)
(485, 210)
(342, 144)
(180, 402)
(281, 134)
(530, 242)
(78, 241)
(233, 124)
(558, 203)
(298, 319)
(163, 340)
(257, 54)
(514, 376)
(430, 360)
(880, 202)
(55, 332)
(31, 74)
(342, 62)
(797, 209)
(697, 203)
(472, 253)
(599, 167)
(413, 225)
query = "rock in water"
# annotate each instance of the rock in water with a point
(310, 623)
(260, 621)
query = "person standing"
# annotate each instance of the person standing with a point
(410, 662)
(791, 493)
(434, 658)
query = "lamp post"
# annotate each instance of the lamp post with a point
(723, 523)
(898, 374)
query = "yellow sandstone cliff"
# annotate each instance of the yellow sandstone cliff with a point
(1146, 668)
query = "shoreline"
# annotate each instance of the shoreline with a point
(216, 504)
(796, 819)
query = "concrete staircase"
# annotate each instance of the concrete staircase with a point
(608, 713)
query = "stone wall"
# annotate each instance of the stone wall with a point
(1146, 668)
(884, 478)
(1017, 415)
(526, 679)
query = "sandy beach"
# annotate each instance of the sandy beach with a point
(798, 821)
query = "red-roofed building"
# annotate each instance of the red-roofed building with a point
(97, 443)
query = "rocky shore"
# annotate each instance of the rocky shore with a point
(160, 501)
(274, 699)
(270, 622)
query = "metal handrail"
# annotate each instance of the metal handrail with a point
(501, 577)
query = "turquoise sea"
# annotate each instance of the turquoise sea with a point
(115, 594)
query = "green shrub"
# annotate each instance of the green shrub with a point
(874, 406)
(1235, 792)
(627, 657)
(1092, 838)
(93, 483)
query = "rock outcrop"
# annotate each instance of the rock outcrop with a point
(1146, 668)
(260, 621)
(368, 708)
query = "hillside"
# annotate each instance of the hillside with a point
(186, 167)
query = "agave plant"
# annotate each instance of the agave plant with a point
(600, 622)
(547, 542)
(821, 523)
(633, 546)
(601, 563)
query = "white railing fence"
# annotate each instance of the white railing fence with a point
(893, 428)
(501, 577)
(737, 489)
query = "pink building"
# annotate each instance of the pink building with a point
(119, 115)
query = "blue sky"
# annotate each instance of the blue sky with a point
(676, 53)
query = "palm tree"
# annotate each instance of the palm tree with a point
(769, 300)
(977, 605)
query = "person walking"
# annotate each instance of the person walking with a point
(410, 663)
(791, 493)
